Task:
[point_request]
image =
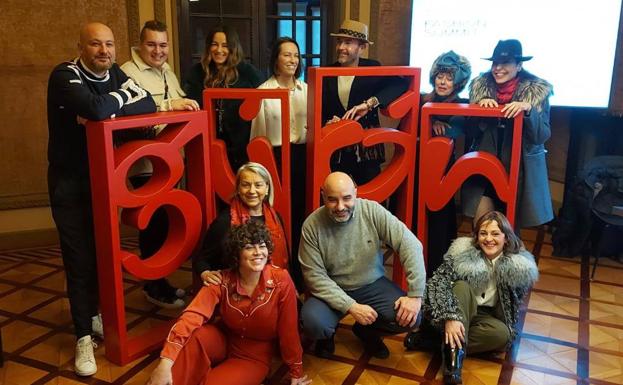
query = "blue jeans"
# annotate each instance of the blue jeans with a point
(320, 320)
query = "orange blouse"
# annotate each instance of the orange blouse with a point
(268, 314)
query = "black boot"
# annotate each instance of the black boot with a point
(425, 339)
(325, 348)
(452, 364)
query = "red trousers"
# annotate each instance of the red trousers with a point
(208, 358)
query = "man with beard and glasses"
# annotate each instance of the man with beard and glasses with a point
(89, 87)
(342, 262)
(358, 98)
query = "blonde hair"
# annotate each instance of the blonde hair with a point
(260, 170)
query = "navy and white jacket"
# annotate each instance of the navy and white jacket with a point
(74, 91)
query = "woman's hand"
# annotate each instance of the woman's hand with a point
(211, 277)
(334, 119)
(454, 333)
(513, 109)
(488, 103)
(162, 374)
(300, 381)
(439, 127)
(357, 112)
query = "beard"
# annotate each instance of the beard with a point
(99, 66)
(345, 217)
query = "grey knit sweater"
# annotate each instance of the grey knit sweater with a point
(346, 256)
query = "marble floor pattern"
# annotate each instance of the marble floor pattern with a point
(571, 331)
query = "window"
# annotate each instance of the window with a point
(302, 21)
(258, 23)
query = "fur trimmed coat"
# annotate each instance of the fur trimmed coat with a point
(514, 273)
(534, 202)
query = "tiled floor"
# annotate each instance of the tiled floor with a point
(572, 331)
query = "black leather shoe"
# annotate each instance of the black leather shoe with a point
(372, 341)
(325, 348)
(452, 364)
(422, 340)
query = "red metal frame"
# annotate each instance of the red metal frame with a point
(324, 140)
(437, 187)
(208, 175)
(187, 210)
(259, 149)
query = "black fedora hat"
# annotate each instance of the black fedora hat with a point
(507, 50)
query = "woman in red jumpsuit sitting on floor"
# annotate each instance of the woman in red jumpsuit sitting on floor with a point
(257, 305)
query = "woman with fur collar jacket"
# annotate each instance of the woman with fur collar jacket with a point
(509, 84)
(475, 295)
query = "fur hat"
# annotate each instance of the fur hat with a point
(507, 50)
(455, 64)
(353, 29)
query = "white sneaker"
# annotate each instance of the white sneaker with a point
(97, 327)
(84, 363)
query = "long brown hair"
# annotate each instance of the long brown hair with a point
(227, 74)
(512, 243)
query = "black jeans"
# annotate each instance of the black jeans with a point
(151, 239)
(70, 201)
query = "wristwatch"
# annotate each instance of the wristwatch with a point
(372, 103)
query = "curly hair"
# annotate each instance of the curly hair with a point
(252, 232)
(512, 243)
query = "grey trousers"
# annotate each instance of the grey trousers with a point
(484, 327)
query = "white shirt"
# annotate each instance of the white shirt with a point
(154, 80)
(268, 120)
(490, 296)
(344, 84)
(158, 82)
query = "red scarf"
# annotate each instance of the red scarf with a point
(240, 214)
(505, 91)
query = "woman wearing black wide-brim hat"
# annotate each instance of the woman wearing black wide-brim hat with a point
(508, 84)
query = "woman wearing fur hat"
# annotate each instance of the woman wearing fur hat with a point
(509, 84)
(449, 75)
(475, 295)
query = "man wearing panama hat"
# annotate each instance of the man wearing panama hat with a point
(358, 98)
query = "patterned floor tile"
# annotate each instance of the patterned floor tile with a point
(26, 272)
(547, 356)
(554, 304)
(19, 374)
(569, 286)
(371, 377)
(19, 333)
(529, 377)
(608, 338)
(606, 367)
(606, 313)
(22, 300)
(608, 293)
(559, 267)
(547, 326)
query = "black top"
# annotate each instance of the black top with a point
(386, 89)
(230, 126)
(75, 91)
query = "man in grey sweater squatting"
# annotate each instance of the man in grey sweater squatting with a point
(342, 263)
